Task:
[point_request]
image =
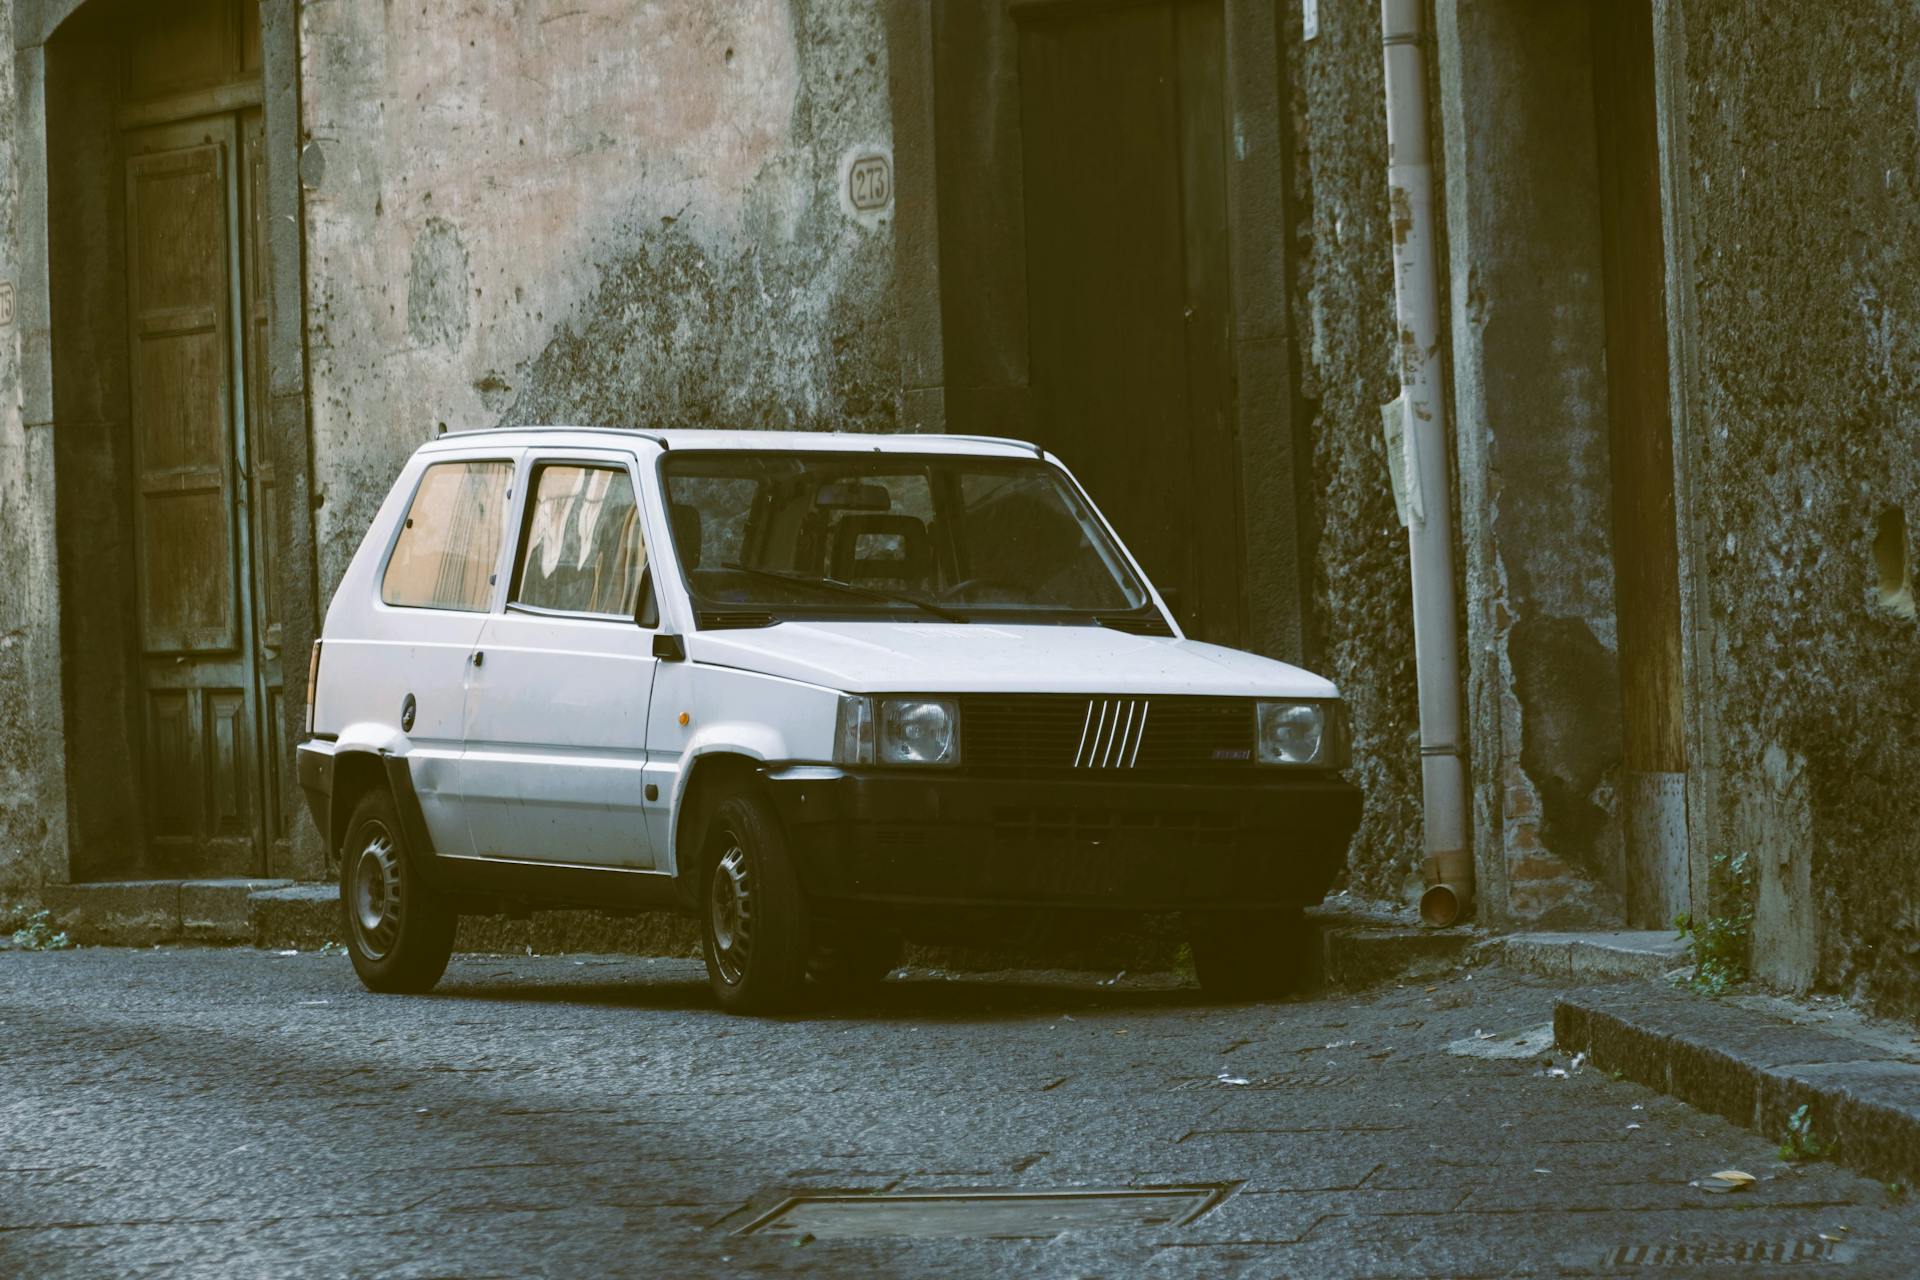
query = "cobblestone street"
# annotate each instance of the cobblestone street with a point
(233, 1112)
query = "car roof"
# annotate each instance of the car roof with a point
(670, 440)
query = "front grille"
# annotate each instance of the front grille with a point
(1103, 733)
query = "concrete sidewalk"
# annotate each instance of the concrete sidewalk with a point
(1757, 1067)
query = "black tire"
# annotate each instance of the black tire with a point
(753, 916)
(850, 961)
(399, 932)
(1251, 955)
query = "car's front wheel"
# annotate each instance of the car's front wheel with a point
(754, 926)
(399, 932)
(1251, 955)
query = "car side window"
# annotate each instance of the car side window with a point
(445, 555)
(582, 550)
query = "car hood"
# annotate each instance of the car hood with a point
(935, 657)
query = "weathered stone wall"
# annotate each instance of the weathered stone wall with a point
(601, 211)
(1342, 302)
(23, 827)
(1802, 219)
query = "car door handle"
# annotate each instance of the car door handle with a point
(479, 657)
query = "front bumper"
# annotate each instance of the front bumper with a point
(1271, 840)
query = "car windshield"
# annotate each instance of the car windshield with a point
(916, 536)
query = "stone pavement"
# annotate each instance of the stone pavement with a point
(240, 1113)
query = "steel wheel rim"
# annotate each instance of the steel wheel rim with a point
(730, 912)
(374, 903)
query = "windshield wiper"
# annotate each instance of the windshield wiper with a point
(848, 588)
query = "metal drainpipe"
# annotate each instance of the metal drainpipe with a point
(1416, 295)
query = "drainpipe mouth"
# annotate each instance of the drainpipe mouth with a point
(1449, 895)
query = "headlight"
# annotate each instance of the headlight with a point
(918, 731)
(897, 731)
(1298, 733)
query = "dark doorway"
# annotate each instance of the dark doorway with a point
(1646, 554)
(1122, 112)
(170, 602)
(1093, 260)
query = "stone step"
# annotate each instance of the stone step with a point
(135, 913)
(1583, 958)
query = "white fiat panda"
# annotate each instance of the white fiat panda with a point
(822, 691)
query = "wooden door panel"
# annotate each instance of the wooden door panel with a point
(1213, 453)
(178, 283)
(273, 757)
(172, 811)
(1123, 132)
(189, 326)
(263, 489)
(228, 758)
(261, 453)
(189, 605)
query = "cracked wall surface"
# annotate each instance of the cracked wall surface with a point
(595, 211)
(1802, 213)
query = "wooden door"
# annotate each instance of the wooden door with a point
(1122, 114)
(1646, 554)
(196, 604)
(262, 496)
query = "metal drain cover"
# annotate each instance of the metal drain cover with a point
(990, 1215)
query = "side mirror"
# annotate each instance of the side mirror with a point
(646, 613)
(669, 648)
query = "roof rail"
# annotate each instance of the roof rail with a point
(607, 431)
(1038, 452)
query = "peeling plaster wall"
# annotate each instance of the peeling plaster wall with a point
(597, 211)
(1528, 338)
(1802, 221)
(1342, 303)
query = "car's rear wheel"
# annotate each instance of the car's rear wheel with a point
(399, 932)
(1251, 955)
(754, 925)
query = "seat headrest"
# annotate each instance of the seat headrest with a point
(685, 518)
(913, 563)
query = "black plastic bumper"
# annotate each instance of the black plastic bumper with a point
(315, 767)
(896, 837)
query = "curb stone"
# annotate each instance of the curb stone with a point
(1754, 1070)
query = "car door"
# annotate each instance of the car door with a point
(560, 680)
(436, 587)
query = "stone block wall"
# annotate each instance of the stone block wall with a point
(1801, 248)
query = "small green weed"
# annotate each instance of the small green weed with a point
(1896, 1192)
(1800, 1142)
(39, 934)
(1722, 943)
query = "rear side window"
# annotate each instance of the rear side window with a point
(583, 551)
(450, 543)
